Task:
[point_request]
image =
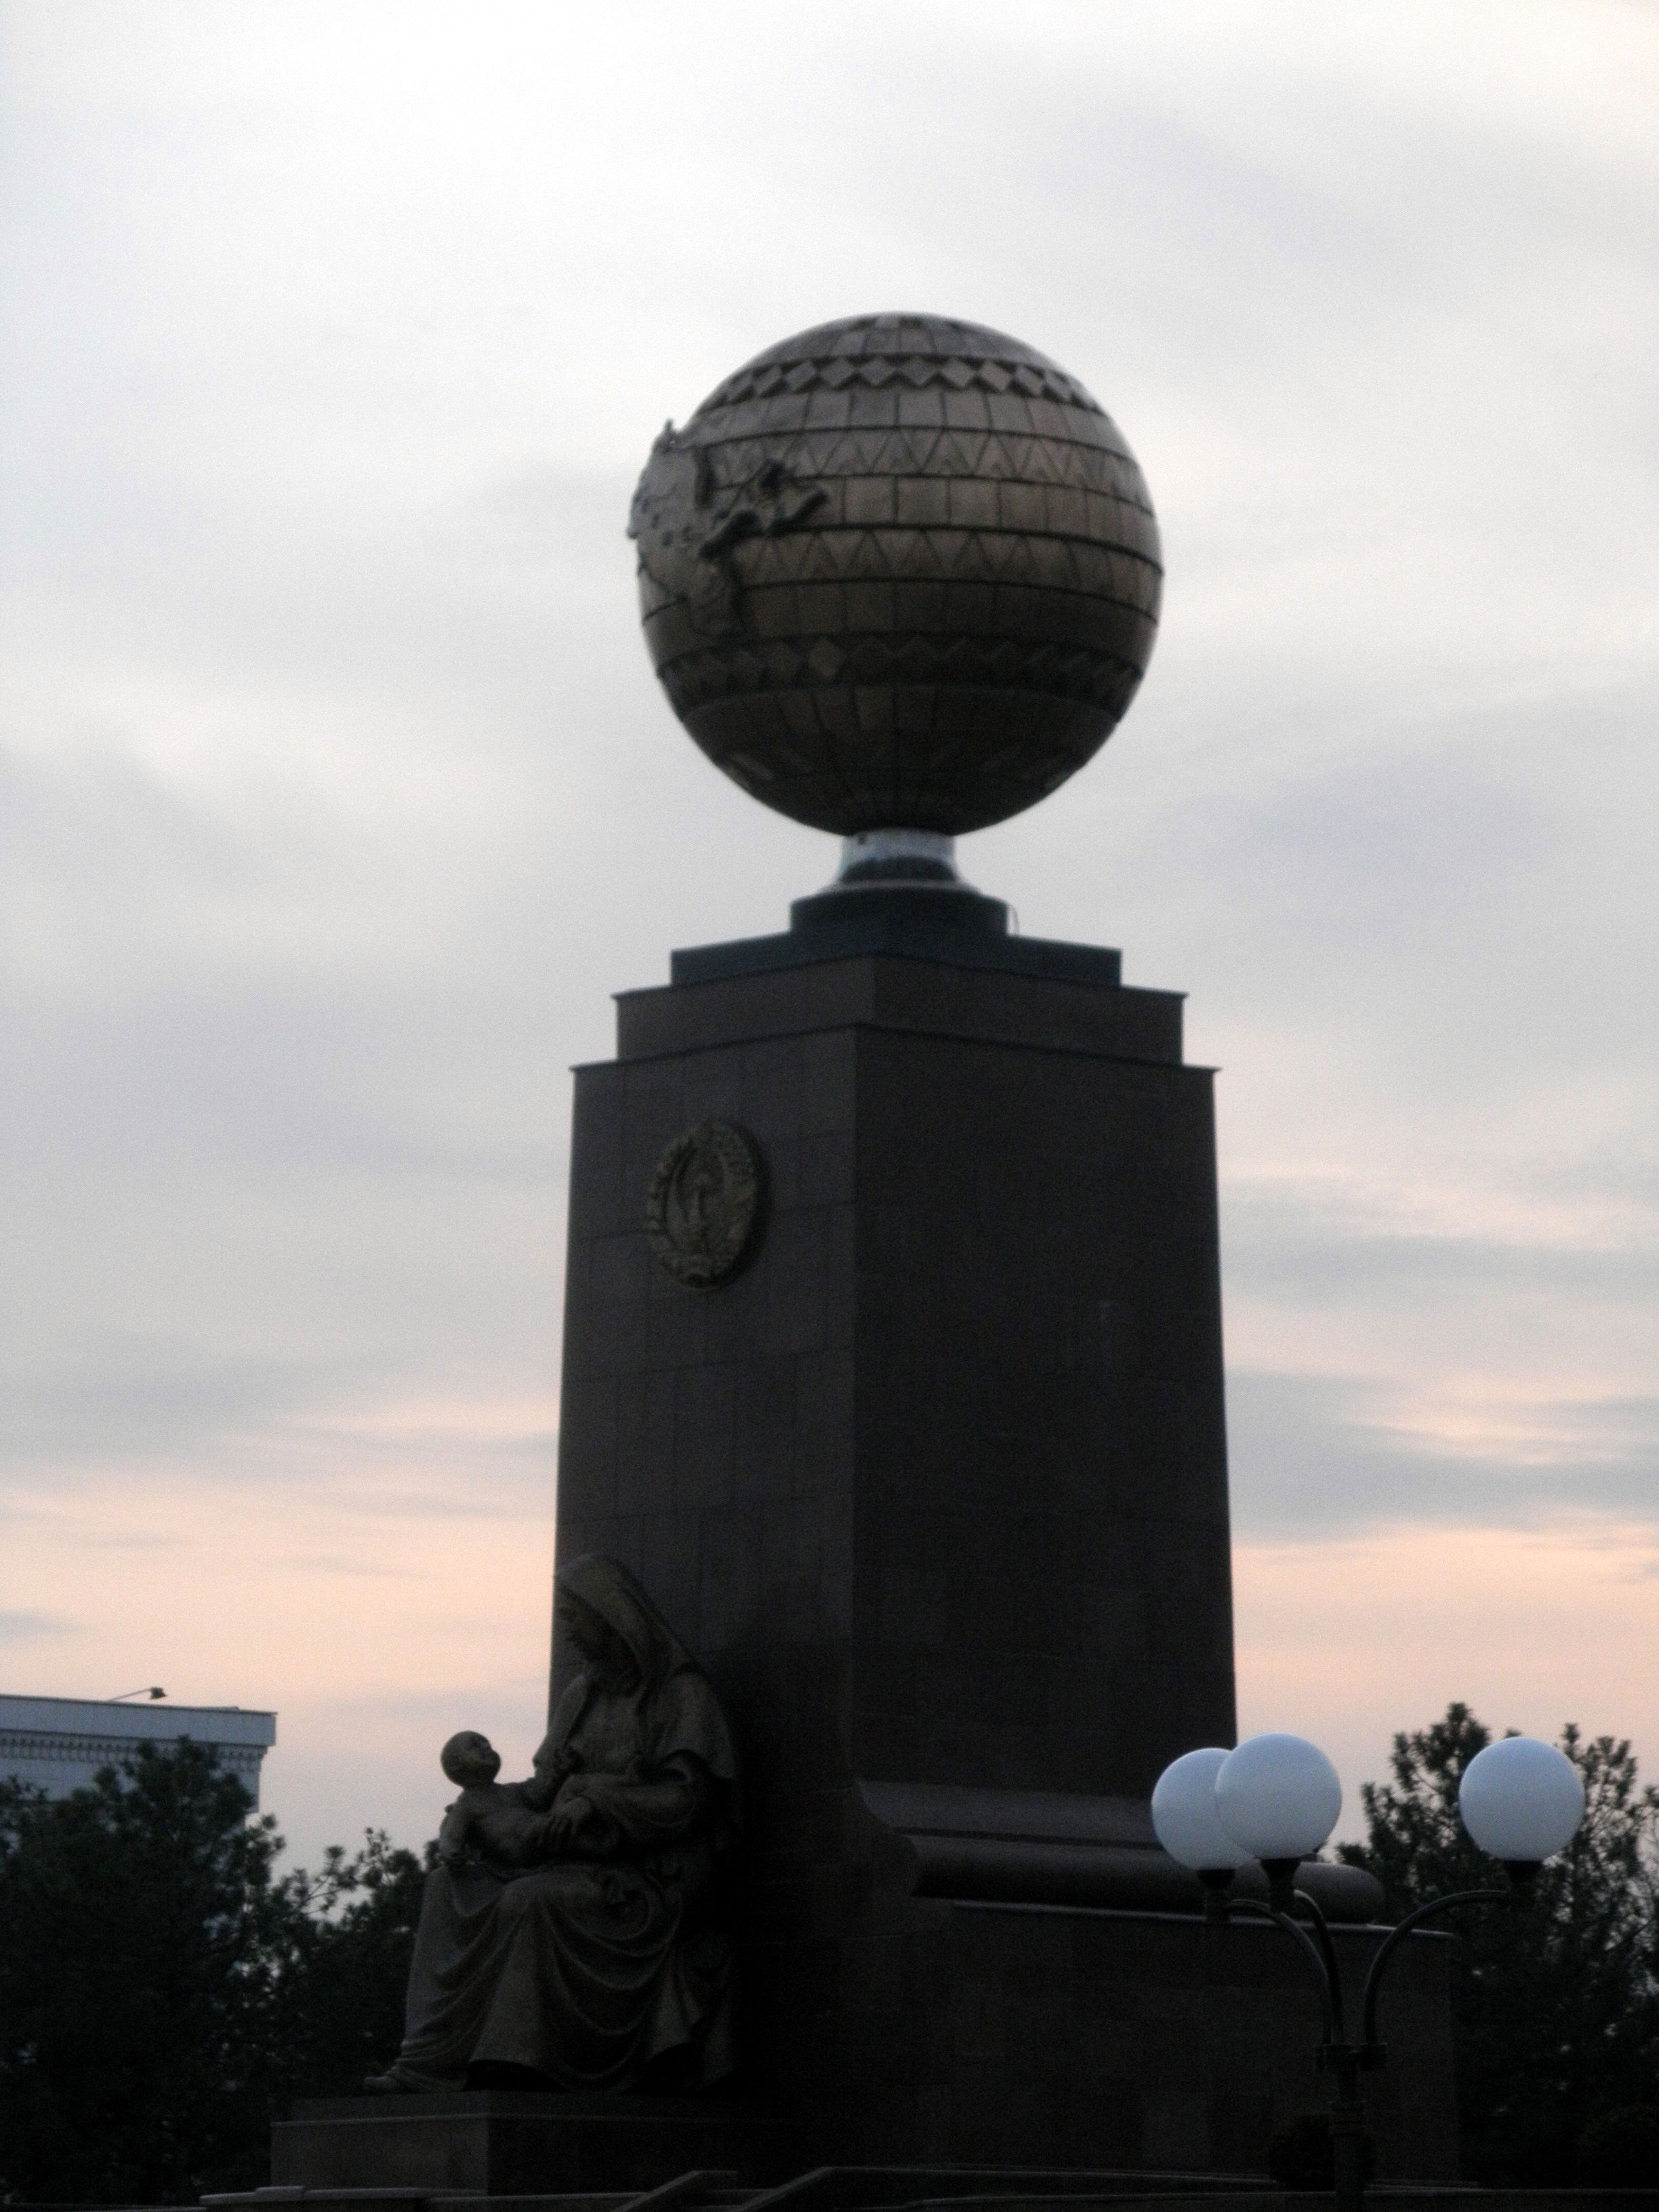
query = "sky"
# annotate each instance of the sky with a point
(340, 796)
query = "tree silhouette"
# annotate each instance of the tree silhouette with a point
(164, 1994)
(1557, 2002)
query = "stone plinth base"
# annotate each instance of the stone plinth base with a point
(1019, 2036)
(497, 2142)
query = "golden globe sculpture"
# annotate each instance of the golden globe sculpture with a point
(900, 572)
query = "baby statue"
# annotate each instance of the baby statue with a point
(503, 1823)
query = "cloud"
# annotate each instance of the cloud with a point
(1317, 1456)
(26, 1627)
(1287, 1244)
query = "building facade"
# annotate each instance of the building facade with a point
(59, 1744)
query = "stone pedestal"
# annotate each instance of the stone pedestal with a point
(935, 1486)
(496, 2143)
(1021, 2036)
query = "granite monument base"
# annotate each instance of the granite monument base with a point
(496, 2143)
(961, 2034)
(974, 2033)
(934, 1484)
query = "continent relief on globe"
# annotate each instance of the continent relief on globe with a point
(897, 572)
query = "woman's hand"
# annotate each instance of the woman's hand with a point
(555, 1761)
(552, 1765)
(577, 1828)
(562, 1823)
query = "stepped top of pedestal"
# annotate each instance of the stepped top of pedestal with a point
(905, 993)
(934, 958)
(945, 922)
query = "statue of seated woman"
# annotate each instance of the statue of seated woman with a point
(572, 1934)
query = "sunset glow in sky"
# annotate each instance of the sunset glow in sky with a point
(339, 795)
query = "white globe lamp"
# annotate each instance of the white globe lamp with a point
(1278, 1797)
(1522, 1800)
(1185, 1819)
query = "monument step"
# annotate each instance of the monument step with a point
(586, 2154)
(869, 2188)
(1399, 2197)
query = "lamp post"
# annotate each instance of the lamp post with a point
(1276, 1799)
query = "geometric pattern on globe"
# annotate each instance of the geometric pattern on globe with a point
(899, 571)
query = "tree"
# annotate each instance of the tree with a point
(136, 1921)
(340, 2000)
(1556, 2004)
(164, 1994)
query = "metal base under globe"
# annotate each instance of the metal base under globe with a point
(904, 884)
(896, 856)
(899, 878)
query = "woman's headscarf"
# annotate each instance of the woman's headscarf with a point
(685, 1714)
(609, 1590)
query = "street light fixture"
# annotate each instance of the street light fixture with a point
(1277, 1798)
(1187, 1824)
(1280, 1796)
(1521, 1800)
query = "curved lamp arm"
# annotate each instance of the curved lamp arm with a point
(1330, 1985)
(1321, 1928)
(1397, 1935)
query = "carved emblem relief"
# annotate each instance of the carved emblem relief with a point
(703, 1211)
(685, 525)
